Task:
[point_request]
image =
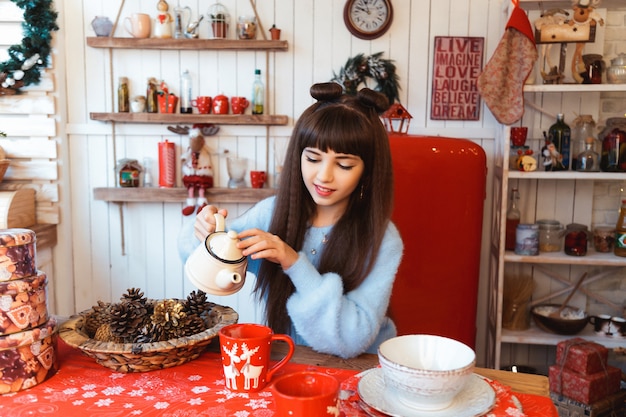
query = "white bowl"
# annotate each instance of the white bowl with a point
(426, 371)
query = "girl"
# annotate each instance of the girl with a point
(324, 250)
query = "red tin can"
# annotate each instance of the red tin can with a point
(167, 164)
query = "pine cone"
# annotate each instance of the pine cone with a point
(134, 294)
(126, 318)
(197, 304)
(193, 325)
(96, 319)
(169, 316)
(104, 334)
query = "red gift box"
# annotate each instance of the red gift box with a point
(167, 103)
(586, 389)
(581, 356)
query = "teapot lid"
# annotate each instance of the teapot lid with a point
(619, 60)
(223, 246)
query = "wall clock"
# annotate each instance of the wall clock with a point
(368, 19)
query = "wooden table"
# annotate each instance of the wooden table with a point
(519, 382)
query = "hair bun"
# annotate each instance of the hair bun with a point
(326, 91)
(374, 99)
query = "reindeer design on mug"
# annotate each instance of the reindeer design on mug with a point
(230, 371)
(249, 371)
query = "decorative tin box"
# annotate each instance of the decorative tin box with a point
(17, 254)
(23, 304)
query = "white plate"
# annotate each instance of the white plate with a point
(476, 398)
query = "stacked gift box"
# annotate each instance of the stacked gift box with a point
(27, 332)
(582, 383)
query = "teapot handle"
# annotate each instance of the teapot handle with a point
(219, 222)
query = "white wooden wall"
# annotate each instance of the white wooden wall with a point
(319, 45)
(90, 262)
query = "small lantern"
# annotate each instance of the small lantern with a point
(397, 119)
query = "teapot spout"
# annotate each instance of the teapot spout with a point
(227, 280)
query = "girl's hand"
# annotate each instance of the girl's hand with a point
(205, 221)
(263, 245)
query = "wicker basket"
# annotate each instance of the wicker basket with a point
(143, 357)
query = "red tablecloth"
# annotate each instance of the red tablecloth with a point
(83, 388)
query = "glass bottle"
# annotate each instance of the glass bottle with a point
(147, 174)
(123, 103)
(513, 216)
(185, 93)
(258, 93)
(583, 127)
(589, 159)
(620, 232)
(152, 105)
(559, 134)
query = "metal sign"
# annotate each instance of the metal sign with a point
(458, 61)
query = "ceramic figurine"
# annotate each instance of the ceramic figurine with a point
(163, 21)
(196, 166)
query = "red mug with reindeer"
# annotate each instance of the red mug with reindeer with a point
(246, 349)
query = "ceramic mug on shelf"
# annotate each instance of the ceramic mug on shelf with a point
(601, 324)
(258, 178)
(518, 135)
(246, 350)
(618, 326)
(239, 104)
(306, 394)
(138, 25)
(202, 103)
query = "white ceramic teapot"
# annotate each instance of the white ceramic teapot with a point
(218, 267)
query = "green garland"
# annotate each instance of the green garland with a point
(27, 59)
(359, 68)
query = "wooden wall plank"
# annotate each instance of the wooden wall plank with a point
(32, 170)
(27, 104)
(28, 125)
(43, 192)
(31, 147)
(10, 12)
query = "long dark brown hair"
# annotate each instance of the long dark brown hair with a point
(344, 124)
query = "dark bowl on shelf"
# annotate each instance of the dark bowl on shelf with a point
(571, 321)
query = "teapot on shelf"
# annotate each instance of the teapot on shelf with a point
(218, 267)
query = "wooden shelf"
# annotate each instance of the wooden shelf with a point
(568, 175)
(536, 336)
(226, 119)
(573, 88)
(187, 44)
(564, 4)
(178, 195)
(561, 258)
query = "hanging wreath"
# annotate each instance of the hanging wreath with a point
(359, 68)
(27, 59)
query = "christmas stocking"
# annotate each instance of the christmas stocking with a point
(501, 82)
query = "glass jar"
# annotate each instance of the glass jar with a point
(576, 239)
(613, 157)
(583, 127)
(550, 235)
(527, 239)
(603, 238)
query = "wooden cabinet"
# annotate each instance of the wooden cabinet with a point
(567, 196)
(179, 194)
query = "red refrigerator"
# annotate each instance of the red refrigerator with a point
(439, 198)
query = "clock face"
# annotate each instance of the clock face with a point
(368, 19)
